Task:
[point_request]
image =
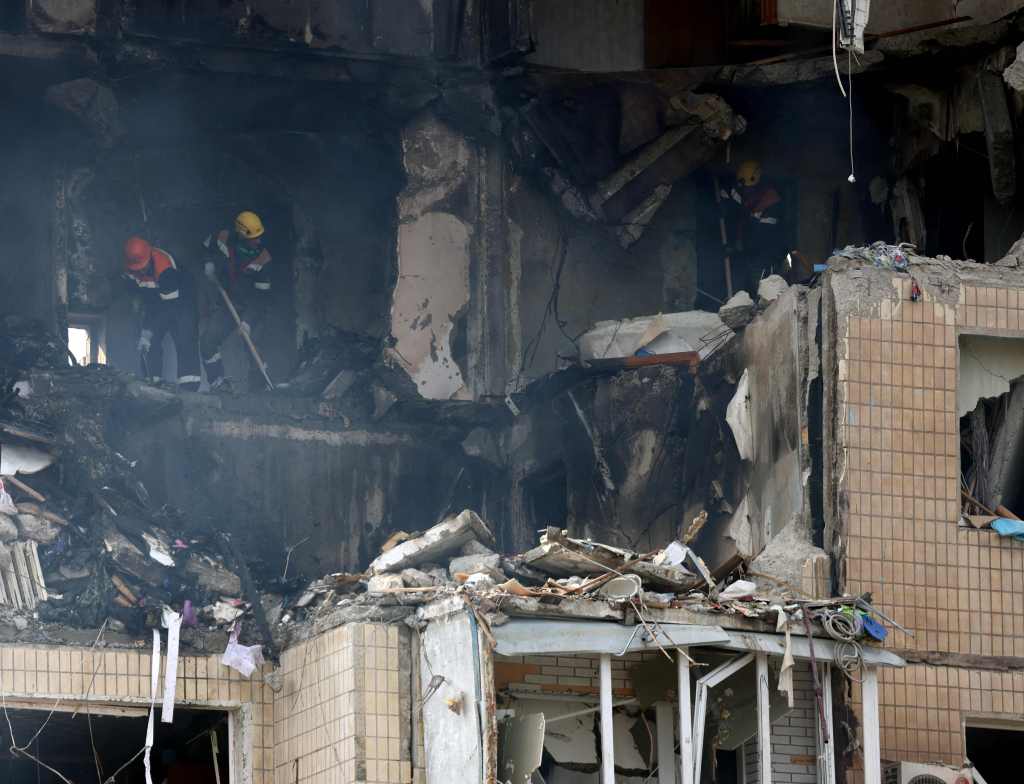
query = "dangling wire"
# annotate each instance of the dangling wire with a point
(848, 95)
(849, 77)
(835, 59)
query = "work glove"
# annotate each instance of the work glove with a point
(210, 270)
(145, 341)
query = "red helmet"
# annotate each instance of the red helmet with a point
(137, 253)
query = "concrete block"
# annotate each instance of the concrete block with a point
(384, 582)
(770, 289)
(478, 564)
(444, 538)
(738, 311)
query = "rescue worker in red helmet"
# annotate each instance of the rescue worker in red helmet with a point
(237, 261)
(166, 310)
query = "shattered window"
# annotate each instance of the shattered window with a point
(80, 343)
(990, 399)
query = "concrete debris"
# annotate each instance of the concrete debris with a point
(444, 538)
(38, 529)
(695, 333)
(474, 564)
(382, 583)
(212, 575)
(770, 289)
(561, 556)
(473, 547)
(414, 578)
(738, 311)
(8, 530)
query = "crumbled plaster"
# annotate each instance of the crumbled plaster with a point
(433, 257)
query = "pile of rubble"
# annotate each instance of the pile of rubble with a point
(81, 545)
(457, 557)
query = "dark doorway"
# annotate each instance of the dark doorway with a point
(995, 752)
(727, 767)
(86, 746)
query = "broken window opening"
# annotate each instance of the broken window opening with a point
(81, 741)
(547, 497)
(994, 748)
(990, 395)
(87, 339)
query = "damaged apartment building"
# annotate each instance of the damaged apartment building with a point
(519, 391)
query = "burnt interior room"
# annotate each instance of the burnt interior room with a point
(451, 203)
(105, 744)
(284, 286)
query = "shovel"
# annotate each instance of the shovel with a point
(245, 336)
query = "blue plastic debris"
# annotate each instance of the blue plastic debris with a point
(1006, 527)
(874, 629)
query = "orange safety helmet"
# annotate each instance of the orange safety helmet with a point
(137, 253)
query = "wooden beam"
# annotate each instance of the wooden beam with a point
(607, 724)
(872, 739)
(685, 718)
(764, 722)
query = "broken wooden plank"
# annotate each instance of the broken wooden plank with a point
(16, 431)
(445, 537)
(15, 482)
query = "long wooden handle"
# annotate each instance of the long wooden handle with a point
(245, 336)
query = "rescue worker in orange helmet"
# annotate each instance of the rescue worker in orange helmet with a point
(166, 310)
(237, 261)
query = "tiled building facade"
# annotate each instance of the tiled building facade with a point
(896, 442)
(340, 714)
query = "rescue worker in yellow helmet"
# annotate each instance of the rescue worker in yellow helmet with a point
(237, 260)
(756, 235)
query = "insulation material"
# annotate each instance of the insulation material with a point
(738, 417)
(172, 621)
(154, 678)
(20, 459)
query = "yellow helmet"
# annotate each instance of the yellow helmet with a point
(749, 173)
(249, 225)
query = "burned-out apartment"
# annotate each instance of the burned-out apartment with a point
(519, 391)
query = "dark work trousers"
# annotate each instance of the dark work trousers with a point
(178, 319)
(218, 325)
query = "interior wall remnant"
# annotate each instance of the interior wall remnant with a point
(769, 421)
(340, 491)
(988, 365)
(451, 668)
(433, 251)
(662, 437)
